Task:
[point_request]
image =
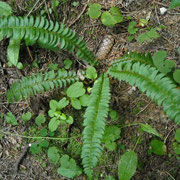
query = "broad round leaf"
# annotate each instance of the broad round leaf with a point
(176, 75)
(127, 165)
(5, 9)
(53, 124)
(116, 14)
(75, 90)
(53, 105)
(177, 135)
(158, 147)
(53, 154)
(91, 73)
(40, 119)
(75, 103)
(94, 11)
(107, 19)
(26, 116)
(84, 100)
(67, 63)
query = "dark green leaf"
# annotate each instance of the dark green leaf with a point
(158, 147)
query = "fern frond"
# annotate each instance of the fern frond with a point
(134, 57)
(46, 33)
(94, 124)
(156, 85)
(39, 83)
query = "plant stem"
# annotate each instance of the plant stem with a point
(37, 137)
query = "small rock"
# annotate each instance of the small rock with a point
(162, 10)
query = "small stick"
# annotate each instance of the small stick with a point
(29, 52)
(16, 166)
(143, 109)
(85, 6)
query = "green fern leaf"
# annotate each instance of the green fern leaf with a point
(46, 33)
(156, 85)
(29, 86)
(134, 57)
(94, 124)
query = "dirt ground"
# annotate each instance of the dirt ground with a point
(131, 105)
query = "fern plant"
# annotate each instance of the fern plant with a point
(39, 83)
(94, 123)
(134, 68)
(46, 33)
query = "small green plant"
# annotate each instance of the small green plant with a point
(68, 167)
(148, 36)
(26, 116)
(174, 4)
(57, 117)
(176, 144)
(111, 134)
(11, 119)
(157, 147)
(108, 18)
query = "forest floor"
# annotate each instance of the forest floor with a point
(131, 105)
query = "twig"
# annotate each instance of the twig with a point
(85, 6)
(29, 52)
(143, 109)
(33, 8)
(165, 139)
(16, 166)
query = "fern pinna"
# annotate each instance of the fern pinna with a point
(148, 79)
(46, 33)
(94, 124)
(39, 83)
